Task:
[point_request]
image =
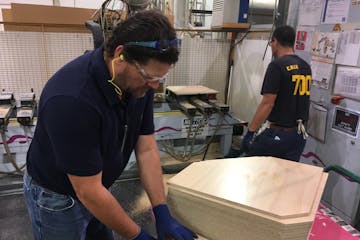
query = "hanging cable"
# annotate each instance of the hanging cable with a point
(10, 156)
(168, 145)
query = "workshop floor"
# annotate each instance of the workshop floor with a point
(15, 224)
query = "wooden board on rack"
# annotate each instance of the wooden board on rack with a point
(232, 26)
(29, 17)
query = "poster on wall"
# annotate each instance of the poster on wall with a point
(316, 125)
(321, 70)
(324, 44)
(335, 11)
(354, 16)
(347, 82)
(310, 12)
(346, 121)
(304, 38)
(349, 48)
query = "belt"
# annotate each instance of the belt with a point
(279, 128)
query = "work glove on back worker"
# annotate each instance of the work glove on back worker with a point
(247, 140)
(167, 226)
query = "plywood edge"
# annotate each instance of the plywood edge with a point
(318, 186)
(230, 204)
(320, 190)
(193, 212)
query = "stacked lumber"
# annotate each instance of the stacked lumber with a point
(253, 198)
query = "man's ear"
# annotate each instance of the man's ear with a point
(118, 52)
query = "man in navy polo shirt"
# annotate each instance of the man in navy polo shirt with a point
(93, 113)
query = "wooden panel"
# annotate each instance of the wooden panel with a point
(255, 198)
(269, 185)
(9, 26)
(191, 90)
(6, 14)
(28, 13)
(27, 17)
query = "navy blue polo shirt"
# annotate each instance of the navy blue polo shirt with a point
(83, 127)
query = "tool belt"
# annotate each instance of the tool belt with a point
(300, 128)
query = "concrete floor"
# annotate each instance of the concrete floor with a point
(14, 221)
(15, 224)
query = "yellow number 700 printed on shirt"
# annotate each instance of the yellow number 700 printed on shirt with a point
(302, 84)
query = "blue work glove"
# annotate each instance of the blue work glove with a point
(143, 236)
(246, 142)
(167, 226)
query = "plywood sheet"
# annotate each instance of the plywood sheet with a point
(268, 185)
(255, 198)
(191, 90)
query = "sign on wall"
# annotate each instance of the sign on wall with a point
(310, 12)
(321, 70)
(346, 121)
(349, 49)
(347, 82)
(304, 38)
(336, 11)
(324, 44)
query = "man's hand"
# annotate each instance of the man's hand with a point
(246, 142)
(143, 236)
(167, 226)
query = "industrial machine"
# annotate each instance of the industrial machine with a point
(25, 113)
(7, 104)
(7, 107)
(190, 120)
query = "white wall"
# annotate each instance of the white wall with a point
(94, 4)
(247, 77)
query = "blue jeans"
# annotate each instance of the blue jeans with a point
(56, 216)
(278, 143)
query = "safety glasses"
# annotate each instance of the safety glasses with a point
(161, 45)
(271, 41)
(147, 76)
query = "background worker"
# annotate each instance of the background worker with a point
(285, 103)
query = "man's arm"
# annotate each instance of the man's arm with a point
(262, 111)
(102, 204)
(148, 159)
